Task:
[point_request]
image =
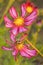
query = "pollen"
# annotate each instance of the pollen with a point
(29, 9)
(19, 46)
(19, 21)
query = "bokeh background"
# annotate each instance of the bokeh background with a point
(35, 34)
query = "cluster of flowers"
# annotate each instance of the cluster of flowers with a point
(18, 25)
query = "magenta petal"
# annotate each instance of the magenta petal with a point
(30, 52)
(29, 22)
(23, 10)
(30, 19)
(24, 54)
(14, 30)
(14, 53)
(5, 48)
(12, 36)
(13, 12)
(22, 29)
(31, 16)
(8, 22)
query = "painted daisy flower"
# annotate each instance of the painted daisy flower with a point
(23, 49)
(29, 7)
(18, 24)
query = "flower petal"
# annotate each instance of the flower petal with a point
(30, 19)
(23, 10)
(25, 51)
(31, 16)
(29, 51)
(14, 53)
(24, 54)
(12, 37)
(29, 22)
(14, 30)
(22, 29)
(5, 48)
(8, 22)
(13, 12)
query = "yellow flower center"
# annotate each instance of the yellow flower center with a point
(19, 46)
(19, 21)
(29, 9)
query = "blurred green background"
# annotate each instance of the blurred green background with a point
(35, 34)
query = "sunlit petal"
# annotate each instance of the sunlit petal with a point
(8, 22)
(13, 12)
(12, 37)
(23, 10)
(31, 16)
(29, 22)
(14, 30)
(15, 52)
(24, 54)
(5, 48)
(29, 51)
(22, 29)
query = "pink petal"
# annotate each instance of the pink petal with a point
(13, 12)
(8, 22)
(24, 54)
(30, 19)
(15, 52)
(29, 22)
(23, 10)
(5, 48)
(31, 16)
(12, 37)
(14, 30)
(22, 29)
(29, 51)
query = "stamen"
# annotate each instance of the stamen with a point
(29, 9)
(19, 46)
(19, 21)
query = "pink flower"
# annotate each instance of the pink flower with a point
(29, 7)
(18, 24)
(23, 49)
